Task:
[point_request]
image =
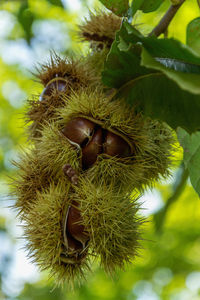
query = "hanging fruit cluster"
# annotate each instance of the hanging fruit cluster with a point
(75, 185)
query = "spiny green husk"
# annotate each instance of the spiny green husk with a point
(56, 150)
(95, 62)
(74, 72)
(42, 165)
(44, 231)
(111, 221)
(31, 179)
(100, 28)
(152, 141)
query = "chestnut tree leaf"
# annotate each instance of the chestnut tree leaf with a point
(187, 81)
(118, 7)
(151, 5)
(168, 52)
(123, 62)
(161, 98)
(136, 4)
(123, 65)
(145, 5)
(193, 35)
(191, 158)
(160, 92)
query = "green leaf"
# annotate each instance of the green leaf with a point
(169, 52)
(56, 3)
(169, 56)
(144, 5)
(160, 92)
(172, 54)
(191, 146)
(136, 4)
(160, 98)
(26, 18)
(122, 66)
(151, 5)
(118, 7)
(193, 35)
(123, 61)
(186, 81)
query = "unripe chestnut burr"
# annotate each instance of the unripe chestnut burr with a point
(57, 84)
(114, 145)
(79, 131)
(91, 151)
(73, 226)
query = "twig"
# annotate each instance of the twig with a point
(198, 2)
(167, 18)
(166, 33)
(179, 186)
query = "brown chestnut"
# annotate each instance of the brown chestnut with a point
(92, 150)
(114, 145)
(73, 245)
(57, 84)
(79, 130)
(73, 226)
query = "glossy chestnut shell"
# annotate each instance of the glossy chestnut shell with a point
(75, 236)
(92, 149)
(79, 131)
(114, 145)
(94, 140)
(57, 84)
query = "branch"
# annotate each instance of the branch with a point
(167, 18)
(178, 186)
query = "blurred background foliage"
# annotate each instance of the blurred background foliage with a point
(169, 265)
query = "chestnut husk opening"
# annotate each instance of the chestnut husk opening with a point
(94, 140)
(75, 236)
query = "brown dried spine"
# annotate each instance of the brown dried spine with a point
(100, 29)
(59, 77)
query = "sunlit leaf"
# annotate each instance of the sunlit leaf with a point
(187, 81)
(118, 7)
(145, 5)
(151, 5)
(170, 53)
(191, 146)
(193, 35)
(136, 4)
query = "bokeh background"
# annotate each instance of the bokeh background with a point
(169, 264)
